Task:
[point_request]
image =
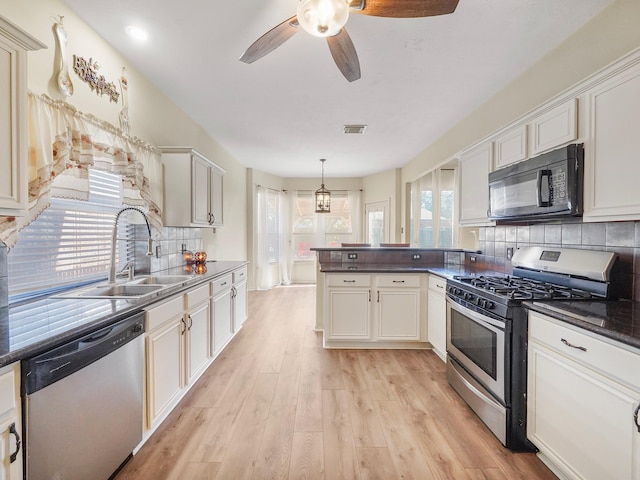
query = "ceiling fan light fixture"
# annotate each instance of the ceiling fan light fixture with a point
(323, 18)
(323, 196)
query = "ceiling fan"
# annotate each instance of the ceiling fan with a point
(326, 18)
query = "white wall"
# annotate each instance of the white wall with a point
(386, 187)
(154, 118)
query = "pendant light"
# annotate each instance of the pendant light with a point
(323, 196)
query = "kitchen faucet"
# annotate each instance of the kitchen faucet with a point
(114, 235)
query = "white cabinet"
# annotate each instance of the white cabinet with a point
(193, 190)
(10, 423)
(198, 330)
(239, 296)
(554, 128)
(612, 162)
(437, 316)
(511, 146)
(349, 307)
(583, 392)
(398, 307)
(376, 311)
(474, 168)
(222, 312)
(14, 44)
(164, 358)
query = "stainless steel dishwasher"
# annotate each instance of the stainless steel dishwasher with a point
(83, 404)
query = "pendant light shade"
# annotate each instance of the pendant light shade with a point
(323, 196)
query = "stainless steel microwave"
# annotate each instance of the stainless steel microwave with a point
(547, 186)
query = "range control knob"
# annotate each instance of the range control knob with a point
(458, 291)
(490, 305)
(482, 303)
(468, 296)
(450, 289)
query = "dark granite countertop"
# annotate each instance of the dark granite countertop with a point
(29, 328)
(618, 320)
(448, 271)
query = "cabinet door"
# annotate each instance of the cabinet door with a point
(612, 168)
(239, 304)
(437, 323)
(198, 336)
(165, 367)
(200, 211)
(222, 320)
(474, 185)
(398, 314)
(215, 197)
(555, 127)
(349, 314)
(511, 146)
(581, 420)
(10, 470)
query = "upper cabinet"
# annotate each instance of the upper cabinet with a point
(612, 150)
(14, 44)
(554, 128)
(192, 189)
(474, 168)
(511, 146)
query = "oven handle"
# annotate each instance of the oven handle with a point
(475, 316)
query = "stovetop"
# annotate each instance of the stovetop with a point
(520, 288)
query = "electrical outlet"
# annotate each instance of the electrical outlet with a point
(509, 252)
(416, 256)
(158, 251)
(473, 258)
(352, 256)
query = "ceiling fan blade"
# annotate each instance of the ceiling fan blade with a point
(271, 40)
(403, 8)
(344, 54)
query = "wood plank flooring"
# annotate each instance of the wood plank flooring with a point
(276, 405)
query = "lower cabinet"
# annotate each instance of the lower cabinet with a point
(583, 401)
(222, 306)
(198, 331)
(373, 310)
(10, 424)
(437, 316)
(239, 295)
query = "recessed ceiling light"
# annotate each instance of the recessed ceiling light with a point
(137, 33)
(354, 128)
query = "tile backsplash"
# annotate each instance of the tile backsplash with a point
(620, 237)
(170, 244)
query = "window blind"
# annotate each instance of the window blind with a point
(69, 243)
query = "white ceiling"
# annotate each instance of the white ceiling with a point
(282, 113)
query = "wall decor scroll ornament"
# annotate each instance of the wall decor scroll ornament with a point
(63, 80)
(125, 126)
(88, 71)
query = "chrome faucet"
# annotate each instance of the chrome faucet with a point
(114, 235)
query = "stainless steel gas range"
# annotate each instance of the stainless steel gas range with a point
(487, 329)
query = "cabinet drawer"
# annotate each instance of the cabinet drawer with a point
(349, 280)
(437, 284)
(240, 275)
(606, 356)
(197, 295)
(221, 284)
(7, 392)
(398, 281)
(159, 314)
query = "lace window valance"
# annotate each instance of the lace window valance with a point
(63, 143)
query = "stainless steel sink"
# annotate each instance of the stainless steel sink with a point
(114, 291)
(159, 280)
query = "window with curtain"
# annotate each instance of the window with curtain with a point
(310, 229)
(69, 243)
(272, 227)
(432, 222)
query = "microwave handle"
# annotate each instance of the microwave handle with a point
(542, 174)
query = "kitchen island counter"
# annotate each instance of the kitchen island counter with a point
(29, 328)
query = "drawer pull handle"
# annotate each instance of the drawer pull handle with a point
(349, 281)
(223, 284)
(569, 344)
(398, 281)
(13, 431)
(635, 417)
(439, 286)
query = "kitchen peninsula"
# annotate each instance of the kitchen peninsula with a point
(377, 297)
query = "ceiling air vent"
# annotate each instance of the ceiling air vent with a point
(354, 128)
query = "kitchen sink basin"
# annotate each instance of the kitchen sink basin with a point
(114, 291)
(159, 280)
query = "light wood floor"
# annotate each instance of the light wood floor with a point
(276, 405)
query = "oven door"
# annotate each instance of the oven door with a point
(477, 342)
